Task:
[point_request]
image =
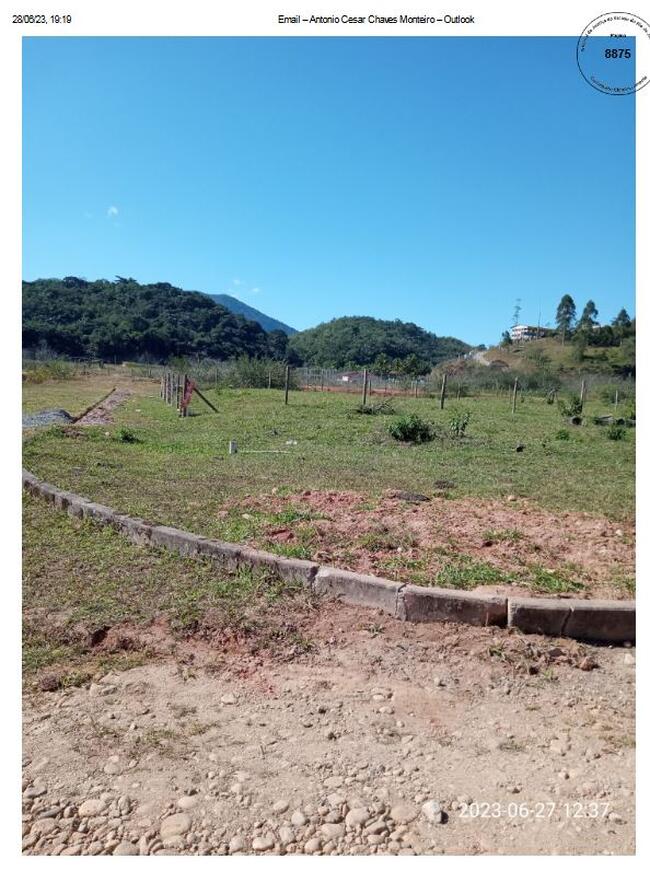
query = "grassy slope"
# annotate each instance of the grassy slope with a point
(180, 472)
(560, 357)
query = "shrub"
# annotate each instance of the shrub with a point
(383, 408)
(411, 429)
(571, 407)
(127, 436)
(458, 423)
(615, 433)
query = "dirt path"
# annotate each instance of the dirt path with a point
(101, 414)
(374, 741)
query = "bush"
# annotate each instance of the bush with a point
(571, 407)
(127, 436)
(615, 433)
(383, 408)
(458, 423)
(411, 429)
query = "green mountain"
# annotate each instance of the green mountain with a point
(245, 310)
(124, 320)
(364, 341)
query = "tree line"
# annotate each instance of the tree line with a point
(124, 320)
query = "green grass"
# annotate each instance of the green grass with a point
(503, 535)
(179, 471)
(79, 577)
(73, 395)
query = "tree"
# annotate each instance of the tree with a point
(517, 312)
(277, 340)
(588, 318)
(565, 316)
(506, 339)
(622, 325)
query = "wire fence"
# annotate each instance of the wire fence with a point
(463, 380)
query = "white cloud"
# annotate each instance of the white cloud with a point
(255, 290)
(236, 282)
(112, 211)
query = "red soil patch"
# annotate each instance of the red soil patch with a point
(415, 541)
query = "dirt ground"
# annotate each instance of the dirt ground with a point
(382, 737)
(101, 414)
(393, 536)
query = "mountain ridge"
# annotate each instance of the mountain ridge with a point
(237, 306)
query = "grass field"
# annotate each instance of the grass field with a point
(74, 394)
(178, 471)
(150, 463)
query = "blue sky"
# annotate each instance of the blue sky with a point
(435, 180)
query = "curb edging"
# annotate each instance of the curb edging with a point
(604, 621)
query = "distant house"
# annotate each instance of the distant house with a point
(522, 332)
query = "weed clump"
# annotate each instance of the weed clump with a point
(571, 407)
(562, 435)
(383, 408)
(458, 423)
(411, 429)
(127, 436)
(615, 433)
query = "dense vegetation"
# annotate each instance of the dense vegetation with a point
(124, 320)
(385, 346)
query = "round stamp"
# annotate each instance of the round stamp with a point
(613, 53)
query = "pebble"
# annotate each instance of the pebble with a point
(403, 812)
(236, 844)
(263, 843)
(332, 831)
(298, 819)
(173, 826)
(126, 849)
(187, 802)
(229, 699)
(312, 846)
(357, 817)
(35, 791)
(280, 806)
(287, 835)
(92, 807)
(432, 810)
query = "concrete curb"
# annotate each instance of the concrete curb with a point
(358, 589)
(436, 604)
(595, 620)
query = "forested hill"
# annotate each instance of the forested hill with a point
(269, 324)
(124, 320)
(364, 341)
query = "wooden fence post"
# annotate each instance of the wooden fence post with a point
(443, 391)
(269, 383)
(365, 387)
(286, 384)
(582, 394)
(616, 398)
(514, 396)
